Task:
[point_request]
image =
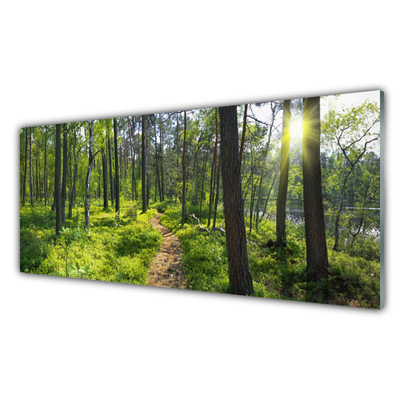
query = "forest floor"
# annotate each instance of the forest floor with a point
(166, 266)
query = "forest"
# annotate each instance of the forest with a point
(279, 199)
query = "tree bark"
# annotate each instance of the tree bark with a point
(240, 281)
(317, 255)
(131, 128)
(110, 165)
(213, 165)
(144, 200)
(184, 172)
(57, 180)
(283, 179)
(244, 131)
(217, 190)
(162, 163)
(64, 173)
(45, 171)
(25, 166)
(87, 183)
(30, 168)
(117, 208)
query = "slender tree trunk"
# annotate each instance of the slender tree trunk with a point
(105, 180)
(72, 195)
(158, 180)
(283, 179)
(259, 199)
(131, 132)
(25, 166)
(240, 281)
(87, 184)
(147, 173)
(64, 173)
(162, 163)
(339, 210)
(57, 180)
(37, 179)
(144, 200)
(110, 165)
(212, 174)
(244, 131)
(45, 171)
(317, 255)
(269, 194)
(30, 168)
(117, 208)
(217, 191)
(184, 173)
(202, 184)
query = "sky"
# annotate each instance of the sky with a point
(331, 102)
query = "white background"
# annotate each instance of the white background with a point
(64, 339)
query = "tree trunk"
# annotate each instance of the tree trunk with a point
(30, 168)
(217, 190)
(25, 166)
(144, 200)
(87, 183)
(240, 281)
(64, 173)
(57, 180)
(45, 171)
(184, 173)
(131, 133)
(117, 208)
(269, 194)
(317, 256)
(162, 164)
(72, 195)
(202, 183)
(110, 165)
(244, 131)
(213, 165)
(283, 179)
(37, 178)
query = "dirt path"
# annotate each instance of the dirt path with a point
(166, 266)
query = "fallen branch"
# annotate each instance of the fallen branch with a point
(222, 231)
(198, 220)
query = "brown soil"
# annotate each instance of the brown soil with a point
(166, 266)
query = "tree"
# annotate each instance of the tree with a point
(64, 172)
(105, 178)
(240, 281)
(25, 166)
(30, 167)
(184, 172)
(283, 180)
(352, 133)
(117, 208)
(144, 200)
(317, 255)
(87, 183)
(57, 180)
(213, 167)
(110, 163)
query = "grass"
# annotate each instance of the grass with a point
(118, 249)
(277, 273)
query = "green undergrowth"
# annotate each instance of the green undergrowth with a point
(118, 248)
(278, 273)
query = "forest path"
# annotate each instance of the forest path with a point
(166, 266)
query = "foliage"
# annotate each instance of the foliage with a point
(278, 273)
(110, 253)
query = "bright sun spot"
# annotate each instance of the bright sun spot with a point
(296, 129)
